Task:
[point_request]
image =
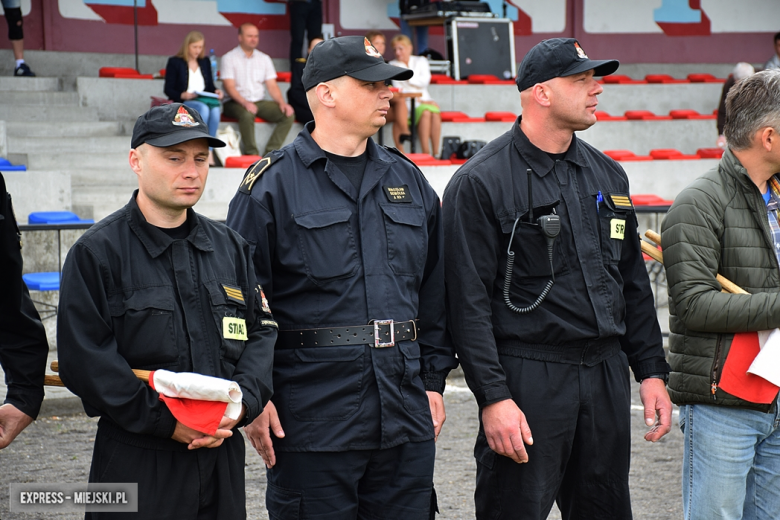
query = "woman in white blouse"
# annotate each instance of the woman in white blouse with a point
(188, 74)
(427, 114)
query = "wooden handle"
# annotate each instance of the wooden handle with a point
(727, 284)
(52, 381)
(652, 252)
(143, 375)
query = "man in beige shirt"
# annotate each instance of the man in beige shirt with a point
(248, 75)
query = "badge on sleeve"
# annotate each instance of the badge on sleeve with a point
(617, 228)
(397, 193)
(234, 328)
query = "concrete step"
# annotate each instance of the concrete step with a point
(85, 145)
(106, 161)
(12, 84)
(100, 201)
(118, 176)
(65, 129)
(40, 98)
(34, 113)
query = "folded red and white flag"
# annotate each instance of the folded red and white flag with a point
(751, 354)
(196, 400)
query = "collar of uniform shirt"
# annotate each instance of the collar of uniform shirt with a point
(538, 159)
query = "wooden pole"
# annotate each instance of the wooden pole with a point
(48, 380)
(727, 284)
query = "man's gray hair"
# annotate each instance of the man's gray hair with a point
(752, 103)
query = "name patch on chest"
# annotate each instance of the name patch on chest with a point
(234, 328)
(397, 193)
(617, 228)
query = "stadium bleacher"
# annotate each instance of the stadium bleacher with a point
(73, 133)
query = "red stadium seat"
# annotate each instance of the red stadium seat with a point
(622, 80)
(460, 117)
(283, 77)
(710, 153)
(671, 154)
(689, 114)
(423, 159)
(488, 79)
(664, 78)
(603, 116)
(645, 115)
(134, 76)
(242, 161)
(443, 79)
(704, 78)
(111, 72)
(504, 117)
(626, 155)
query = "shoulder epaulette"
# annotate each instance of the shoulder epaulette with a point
(620, 201)
(257, 169)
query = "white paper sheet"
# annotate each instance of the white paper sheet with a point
(767, 362)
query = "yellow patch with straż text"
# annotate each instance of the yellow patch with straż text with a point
(617, 228)
(234, 328)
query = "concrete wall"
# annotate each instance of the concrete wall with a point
(38, 191)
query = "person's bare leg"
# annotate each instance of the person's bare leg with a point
(400, 123)
(424, 131)
(18, 47)
(435, 133)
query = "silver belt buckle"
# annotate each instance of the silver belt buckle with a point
(377, 341)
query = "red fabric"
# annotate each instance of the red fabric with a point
(735, 378)
(202, 416)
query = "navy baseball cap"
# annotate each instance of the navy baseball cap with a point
(352, 56)
(171, 124)
(558, 58)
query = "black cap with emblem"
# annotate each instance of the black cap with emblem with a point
(172, 124)
(352, 56)
(558, 58)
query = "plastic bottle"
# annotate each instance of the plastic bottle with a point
(213, 62)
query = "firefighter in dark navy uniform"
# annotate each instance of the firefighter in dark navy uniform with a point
(23, 344)
(348, 246)
(157, 286)
(549, 303)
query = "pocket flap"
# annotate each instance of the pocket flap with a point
(320, 219)
(328, 354)
(149, 298)
(409, 215)
(410, 349)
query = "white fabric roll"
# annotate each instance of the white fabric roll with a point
(200, 387)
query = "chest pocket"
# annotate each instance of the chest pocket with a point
(614, 214)
(221, 308)
(404, 226)
(530, 247)
(327, 244)
(144, 327)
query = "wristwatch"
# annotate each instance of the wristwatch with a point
(664, 376)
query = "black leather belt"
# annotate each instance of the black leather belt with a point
(378, 334)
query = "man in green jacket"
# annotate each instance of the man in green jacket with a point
(726, 222)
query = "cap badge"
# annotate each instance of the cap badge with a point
(183, 118)
(580, 52)
(370, 49)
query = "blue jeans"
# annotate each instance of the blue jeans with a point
(210, 115)
(731, 463)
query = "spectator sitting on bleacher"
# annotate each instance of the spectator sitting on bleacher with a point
(296, 96)
(741, 71)
(427, 114)
(247, 74)
(774, 61)
(187, 76)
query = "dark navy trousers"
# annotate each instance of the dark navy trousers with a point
(580, 420)
(390, 484)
